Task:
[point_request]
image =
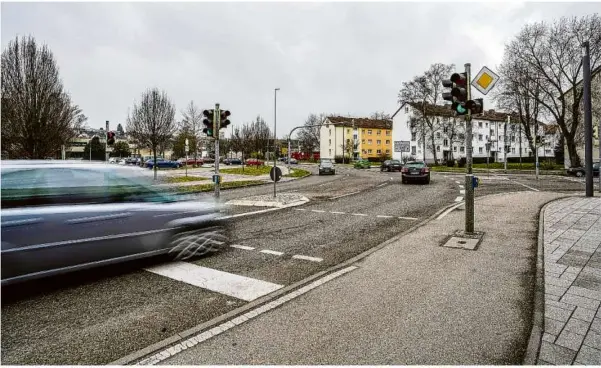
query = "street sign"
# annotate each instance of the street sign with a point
(275, 173)
(187, 146)
(402, 146)
(485, 80)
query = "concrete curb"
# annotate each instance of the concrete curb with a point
(161, 345)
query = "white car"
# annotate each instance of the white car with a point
(112, 160)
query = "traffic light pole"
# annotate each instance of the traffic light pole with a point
(469, 177)
(216, 117)
(588, 121)
(505, 146)
(106, 143)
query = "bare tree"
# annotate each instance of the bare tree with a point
(152, 121)
(192, 123)
(380, 115)
(37, 114)
(423, 93)
(551, 55)
(308, 137)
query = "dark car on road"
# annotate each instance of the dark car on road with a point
(326, 167)
(163, 164)
(232, 161)
(580, 171)
(391, 165)
(63, 216)
(415, 171)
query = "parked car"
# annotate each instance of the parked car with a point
(326, 167)
(362, 164)
(415, 171)
(580, 171)
(254, 162)
(391, 165)
(163, 164)
(67, 216)
(293, 161)
(113, 160)
(208, 160)
(232, 161)
(190, 161)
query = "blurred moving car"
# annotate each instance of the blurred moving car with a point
(162, 164)
(326, 166)
(580, 171)
(66, 216)
(415, 171)
(254, 162)
(362, 164)
(391, 165)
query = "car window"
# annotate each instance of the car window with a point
(395, 162)
(415, 164)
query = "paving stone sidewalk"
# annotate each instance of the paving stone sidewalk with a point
(572, 264)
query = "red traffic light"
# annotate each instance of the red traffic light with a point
(460, 79)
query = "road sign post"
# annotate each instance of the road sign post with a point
(469, 176)
(216, 117)
(186, 149)
(275, 173)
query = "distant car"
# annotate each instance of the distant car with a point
(208, 160)
(232, 161)
(163, 164)
(391, 165)
(254, 162)
(113, 160)
(415, 171)
(326, 167)
(580, 171)
(293, 161)
(190, 161)
(362, 164)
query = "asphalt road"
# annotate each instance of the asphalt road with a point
(95, 317)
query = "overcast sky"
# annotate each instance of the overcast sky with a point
(346, 58)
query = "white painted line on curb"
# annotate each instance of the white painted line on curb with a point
(203, 336)
(338, 213)
(359, 214)
(449, 210)
(318, 211)
(458, 199)
(240, 287)
(462, 191)
(408, 218)
(344, 195)
(307, 258)
(267, 251)
(242, 247)
(384, 216)
(524, 185)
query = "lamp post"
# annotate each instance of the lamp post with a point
(275, 137)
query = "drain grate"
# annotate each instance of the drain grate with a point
(464, 241)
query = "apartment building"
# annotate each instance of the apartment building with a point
(355, 137)
(492, 131)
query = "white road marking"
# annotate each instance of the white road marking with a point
(408, 218)
(344, 195)
(337, 213)
(524, 185)
(307, 258)
(384, 216)
(299, 209)
(462, 191)
(267, 251)
(449, 211)
(359, 214)
(461, 187)
(318, 211)
(381, 185)
(242, 247)
(237, 286)
(203, 336)
(458, 199)
(457, 181)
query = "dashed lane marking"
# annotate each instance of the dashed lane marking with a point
(307, 258)
(384, 216)
(381, 185)
(275, 253)
(300, 209)
(242, 247)
(458, 199)
(237, 286)
(359, 214)
(345, 195)
(338, 212)
(318, 211)
(407, 218)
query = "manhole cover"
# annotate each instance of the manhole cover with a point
(462, 243)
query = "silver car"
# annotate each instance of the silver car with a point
(60, 216)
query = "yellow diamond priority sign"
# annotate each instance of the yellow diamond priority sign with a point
(485, 80)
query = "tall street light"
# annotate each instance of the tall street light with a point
(275, 137)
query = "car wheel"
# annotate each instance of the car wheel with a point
(579, 174)
(388, 169)
(194, 242)
(428, 181)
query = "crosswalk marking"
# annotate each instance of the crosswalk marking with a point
(230, 284)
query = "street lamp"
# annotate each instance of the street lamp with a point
(275, 137)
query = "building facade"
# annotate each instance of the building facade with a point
(355, 138)
(492, 132)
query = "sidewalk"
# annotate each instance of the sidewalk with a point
(572, 246)
(410, 302)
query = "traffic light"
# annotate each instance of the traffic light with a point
(110, 138)
(224, 121)
(476, 106)
(208, 122)
(458, 93)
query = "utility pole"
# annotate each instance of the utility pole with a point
(275, 137)
(216, 124)
(469, 177)
(588, 120)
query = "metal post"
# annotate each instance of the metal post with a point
(424, 129)
(216, 118)
(275, 137)
(520, 146)
(186, 147)
(588, 120)
(599, 133)
(106, 143)
(535, 147)
(505, 141)
(469, 189)
(288, 155)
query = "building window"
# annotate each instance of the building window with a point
(369, 132)
(479, 137)
(368, 151)
(348, 131)
(487, 138)
(378, 142)
(486, 125)
(379, 152)
(330, 132)
(445, 142)
(363, 141)
(480, 150)
(413, 136)
(480, 124)
(330, 142)
(513, 138)
(363, 131)
(387, 151)
(445, 129)
(379, 132)
(437, 148)
(354, 136)
(364, 151)
(369, 141)
(455, 149)
(387, 141)
(330, 154)
(512, 149)
(413, 150)
(462, 149)
(438, 135)
(388, 132)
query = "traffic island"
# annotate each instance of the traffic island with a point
(281, 200)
